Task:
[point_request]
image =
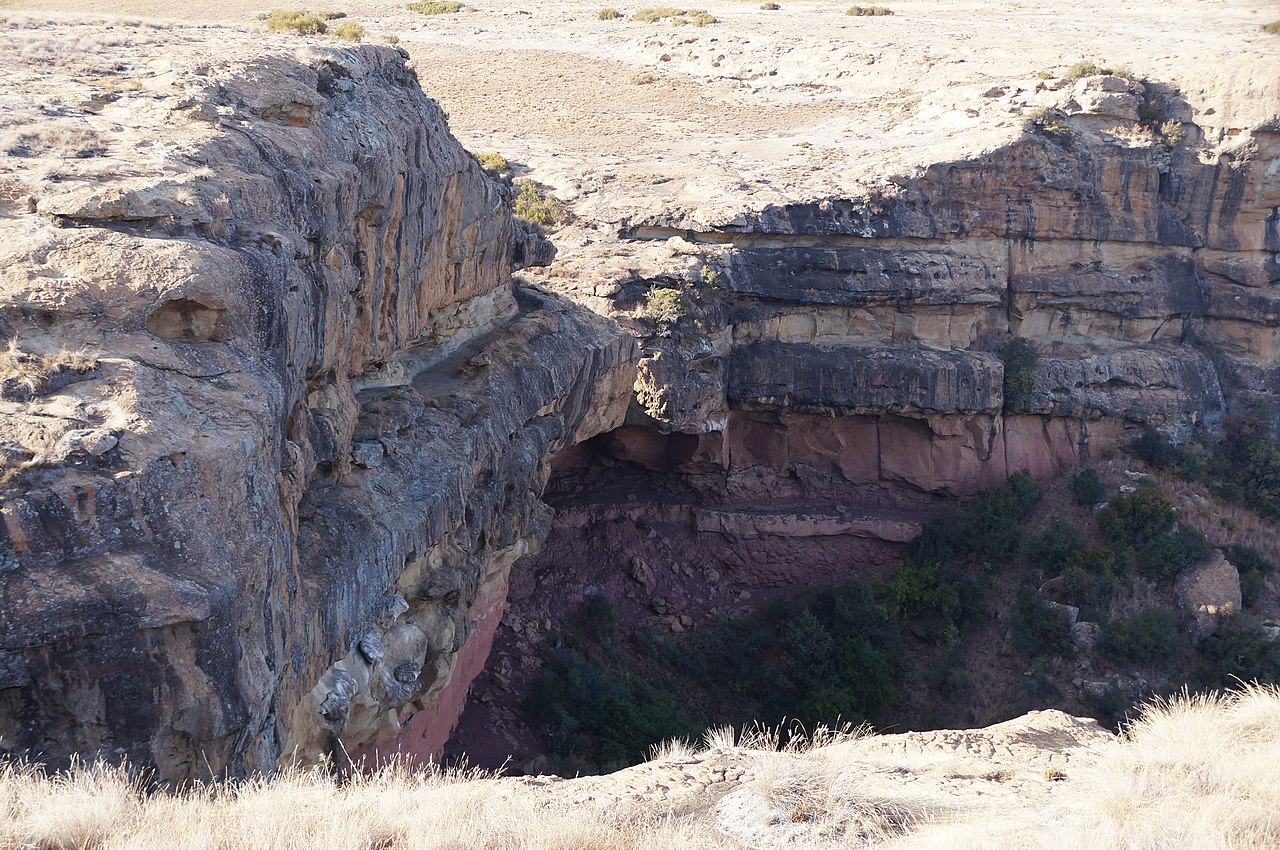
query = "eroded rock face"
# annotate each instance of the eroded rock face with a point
(319, 421)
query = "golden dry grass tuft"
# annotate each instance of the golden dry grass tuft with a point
(1199, 771)
(24, 375)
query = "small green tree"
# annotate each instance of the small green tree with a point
(1020, 359)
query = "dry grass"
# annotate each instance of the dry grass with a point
(54, 140)
(1200, 772)
(24, 375)
(1195, 772)
(395, 809)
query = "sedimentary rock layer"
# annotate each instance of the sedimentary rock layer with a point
(313, 417)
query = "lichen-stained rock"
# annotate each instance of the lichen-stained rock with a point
(320, 414)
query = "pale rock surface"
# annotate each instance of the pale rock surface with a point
(1210, 590)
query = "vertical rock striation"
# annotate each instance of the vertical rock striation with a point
(318, 416)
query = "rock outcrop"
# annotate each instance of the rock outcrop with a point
(314, 417)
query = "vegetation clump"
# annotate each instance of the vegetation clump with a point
(869, 11)
(495, 164)
(349, 31)
(536, 205)
(1087, 487)
(643, 79)
(1086, 68)
(1020, 381)
(608, 15)
(1272, 28)
(303, 23)
(679, 17)
(1049, 122)
(770, 7)
(436, 7)
(665, 305)
(24, 376)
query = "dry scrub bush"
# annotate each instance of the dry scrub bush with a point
(608, 15)
(642, 79)
(679, 17)
(349, 31)
(869, 11)
(436, 7)
(538, 206)
(296, 20)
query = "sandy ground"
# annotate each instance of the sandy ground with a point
(769, 106)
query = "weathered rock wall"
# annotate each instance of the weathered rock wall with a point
(1137, 259)
(319, 417)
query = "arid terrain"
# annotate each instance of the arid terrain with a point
(298, 423)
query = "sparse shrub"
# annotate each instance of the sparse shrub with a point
(303, 23)
(1092, 69)
(332, 16)
(1172, 133)
(1272, 28)
(349, 31)
(697, 17)
(608, 15)
(1049, 122)
(597, 618)
(1151, 636)
(665, 306)
(538, 206)
(1020, 381)
(1086, 487)
(770, 7)
(1253, 568)
(643, 79)
(869, 11)
(435, 7)
(1044, 75)
(495, 164)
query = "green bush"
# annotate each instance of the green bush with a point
(435, 7)
(349, 31)
(598, 717)
(665, 306)
(1039, 629)
(1053, 547)
(1087, 488)
(538, 206)
(1154, 448)
(1238, 651)
(1167, 555)
(1020, 381)
(1137, 518)
(303, 23)
(1151, 636)
(494, 164)
(988, 527)
(1252, 586)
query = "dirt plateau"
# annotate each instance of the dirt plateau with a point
(276, 518)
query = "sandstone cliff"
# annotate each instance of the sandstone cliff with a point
(273, 500)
